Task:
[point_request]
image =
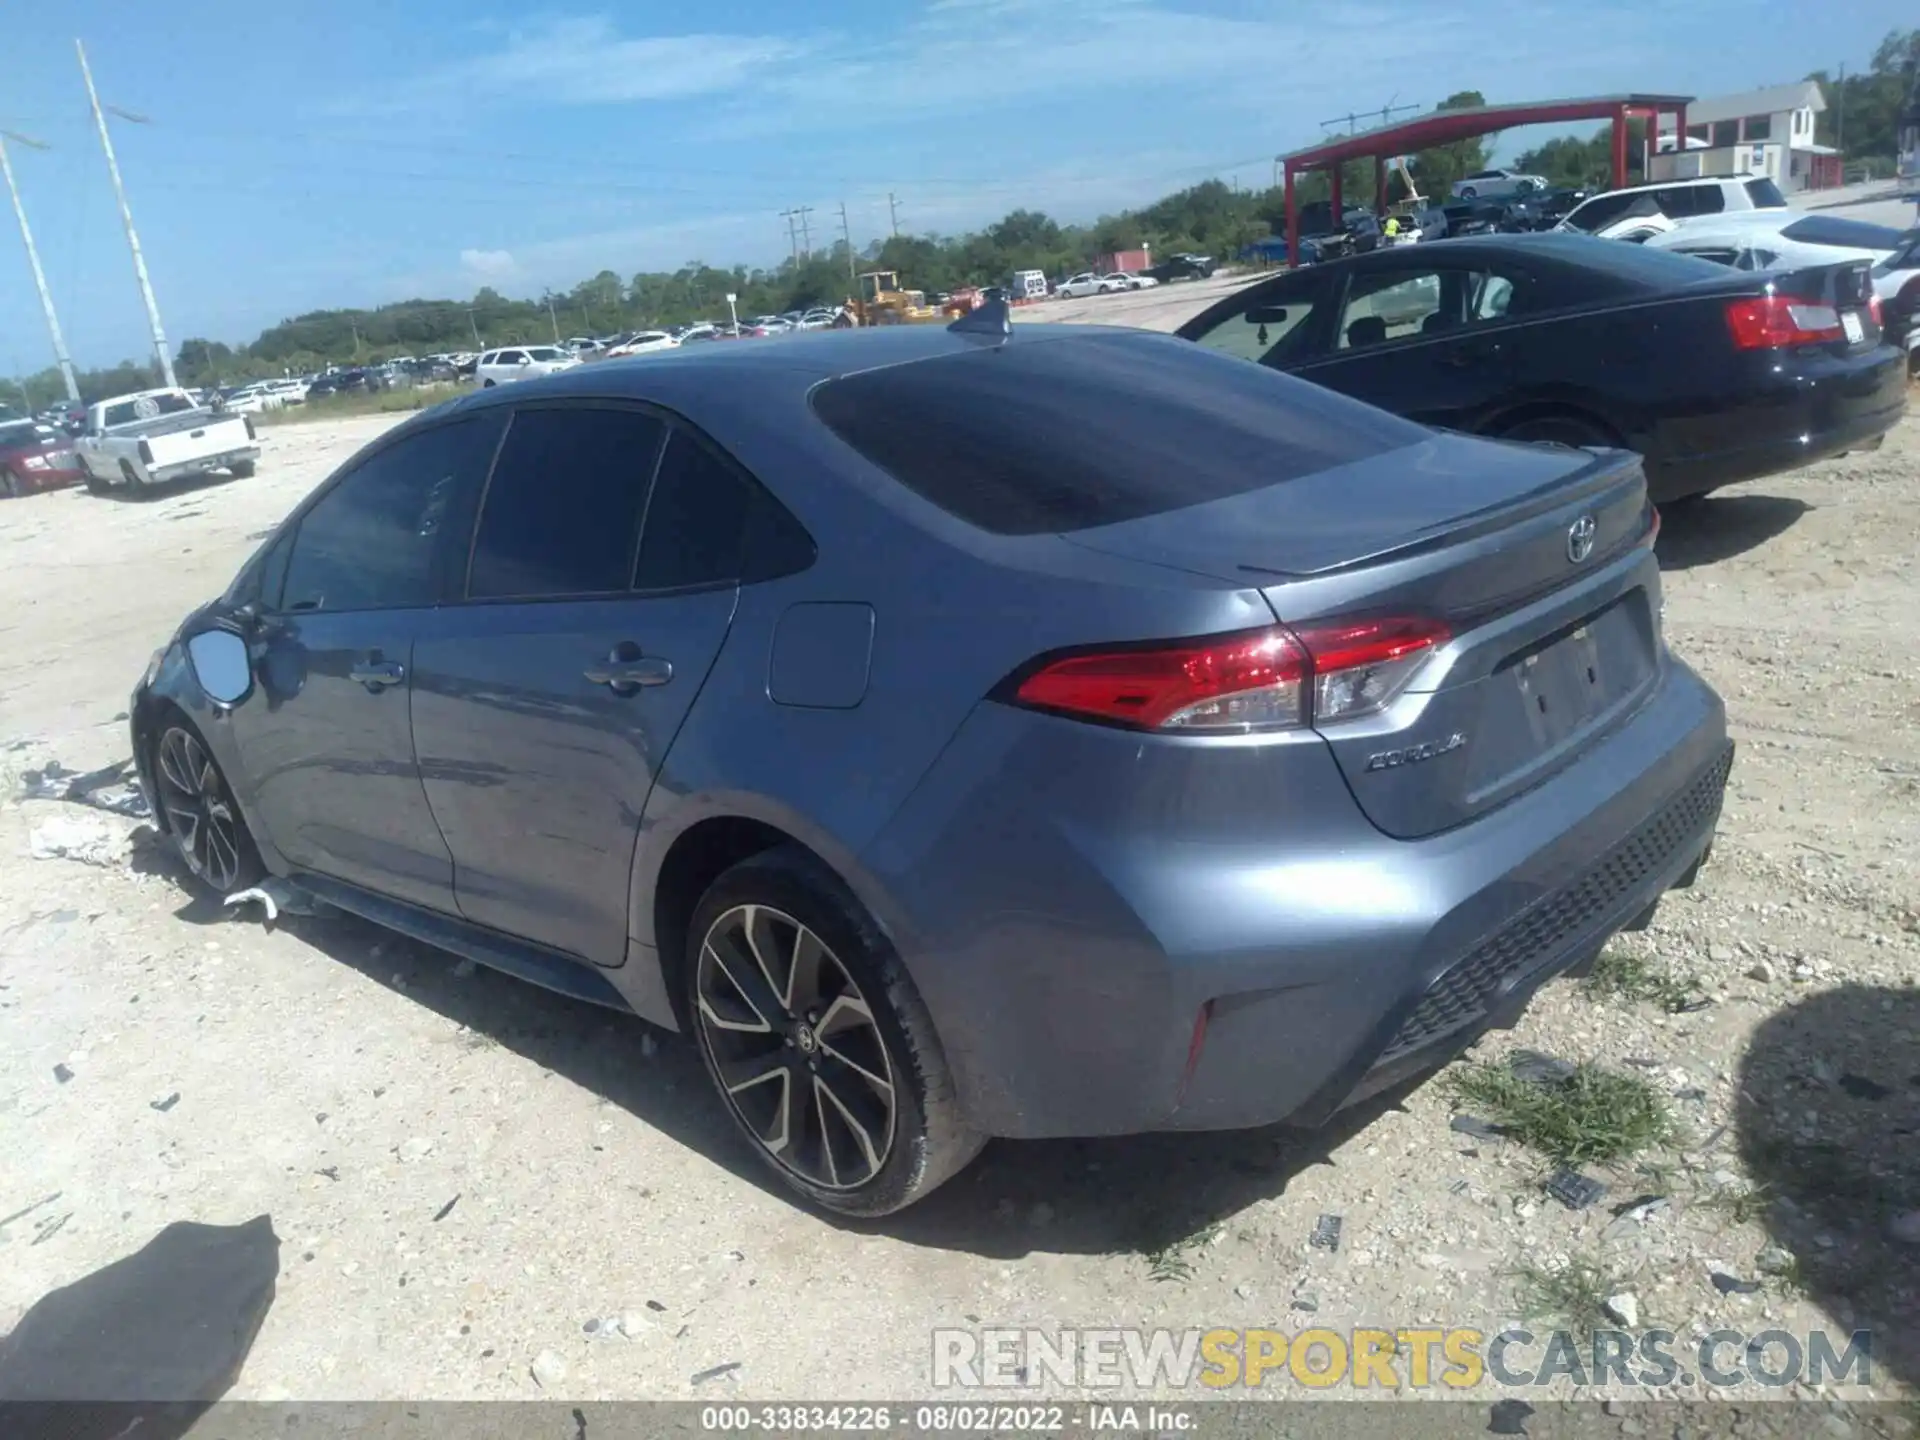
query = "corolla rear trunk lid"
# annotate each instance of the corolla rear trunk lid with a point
(1537, 561)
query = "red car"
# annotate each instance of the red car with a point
(35, 457)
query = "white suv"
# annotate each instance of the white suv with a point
(522, 362)
(1618, 214)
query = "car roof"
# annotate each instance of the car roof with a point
(704, 381)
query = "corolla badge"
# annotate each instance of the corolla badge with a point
(1580, 538)
(1414, 754)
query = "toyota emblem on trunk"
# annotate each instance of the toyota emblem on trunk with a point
(1580, 536)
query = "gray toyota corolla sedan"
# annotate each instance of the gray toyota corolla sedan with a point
(960, 732)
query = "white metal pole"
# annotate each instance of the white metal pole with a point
(40, 280)
(126, 218)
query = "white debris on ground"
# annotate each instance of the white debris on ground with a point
(88, 839)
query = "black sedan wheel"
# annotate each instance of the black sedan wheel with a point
(201, 815)
(817, 1041)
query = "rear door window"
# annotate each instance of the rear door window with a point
(562, 513)
(1047, 435)
(1399, 305)
(1765, 195)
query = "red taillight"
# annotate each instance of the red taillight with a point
(1769, 322)
(1268, 679)
(1873, 308)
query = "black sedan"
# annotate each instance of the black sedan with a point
(1184, 266)
(1713, 376)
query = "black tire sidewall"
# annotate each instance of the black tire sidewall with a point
(791, 881)
(252, 868)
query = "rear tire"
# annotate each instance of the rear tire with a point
(1559, 430)
(97, 486)
(202, 818)
(10, 486)
(819, 1044)
(243, 470)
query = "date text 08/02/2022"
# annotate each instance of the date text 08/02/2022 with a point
(939, 1419)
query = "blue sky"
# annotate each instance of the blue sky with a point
(301, 156)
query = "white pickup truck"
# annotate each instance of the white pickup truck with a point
(154, 436)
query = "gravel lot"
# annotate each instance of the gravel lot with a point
(354, 1085)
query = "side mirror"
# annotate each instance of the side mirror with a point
(221, 665)
(1267, 315)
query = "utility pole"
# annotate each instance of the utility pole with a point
(126, 217)
(893, 212)
(354, 326)
(474, 325)
(793, 235)
(33, 260)
(806, 232)
(847, 235)
(553, 319)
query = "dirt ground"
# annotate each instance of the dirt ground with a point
(466, 1172)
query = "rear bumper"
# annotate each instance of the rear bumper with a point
(1829, 406)
(57, 479)
(203, 464)
(1066, 959)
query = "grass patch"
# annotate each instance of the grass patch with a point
(1173, 1262)
(1575, 1295)
(1620, 975)
(378, 402)
(1594, 1115)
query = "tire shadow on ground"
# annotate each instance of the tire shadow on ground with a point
(1143, 1194)
(1713, 528)
(1829, 1131)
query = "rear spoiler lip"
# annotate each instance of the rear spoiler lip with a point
(1603, 472)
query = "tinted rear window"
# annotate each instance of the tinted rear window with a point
(1059, 435)
(1849, 234)
(1765, 195)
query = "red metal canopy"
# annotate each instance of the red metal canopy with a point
(1442, 127)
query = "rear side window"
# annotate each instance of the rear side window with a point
(696, 521)
(562, 512)
(1045, 435)
(1602, 210)
(1765, 195)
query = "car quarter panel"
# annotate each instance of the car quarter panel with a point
(1069, 897)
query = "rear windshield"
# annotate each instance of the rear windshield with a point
(1848, 234)
(1765, 195)
(1059, 435)
(23, 433)
(127, 411)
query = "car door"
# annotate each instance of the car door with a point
(327, 735)
(545, 704)
(1402, 339)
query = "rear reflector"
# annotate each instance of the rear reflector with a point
(1270, 679)
(1769, 322)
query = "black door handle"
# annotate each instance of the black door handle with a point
(376, 674)
(627, 670)
(1462, 356)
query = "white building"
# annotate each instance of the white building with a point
(1762, 132)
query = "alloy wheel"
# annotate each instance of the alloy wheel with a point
(199, 811)
(795, 1046)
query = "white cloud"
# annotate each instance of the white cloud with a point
(587, 61)
(489, 264)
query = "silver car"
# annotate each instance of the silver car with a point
(960, 733)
